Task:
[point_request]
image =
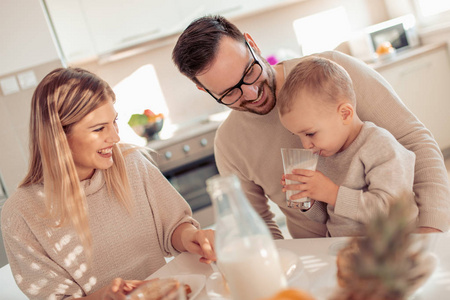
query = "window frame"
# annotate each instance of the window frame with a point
(431, 20)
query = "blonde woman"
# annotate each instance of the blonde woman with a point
(92, 218)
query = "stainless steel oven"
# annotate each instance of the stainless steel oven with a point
(187, 160)
(189, 180)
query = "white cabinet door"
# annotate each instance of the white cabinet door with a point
(219, 7)
(254, 6)
(238, 8)
(190, 10)
(117, 24)
(423, 84)
(88, 28)
(70, 28)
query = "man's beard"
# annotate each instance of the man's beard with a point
(270, 97)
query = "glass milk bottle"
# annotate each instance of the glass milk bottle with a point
(246, 252)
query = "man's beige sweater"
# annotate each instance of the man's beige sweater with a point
(248, 145)
(50, 263)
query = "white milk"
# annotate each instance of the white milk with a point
(305, 165)
(252, 273)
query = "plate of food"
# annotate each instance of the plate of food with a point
(174, 287)
(195, 281)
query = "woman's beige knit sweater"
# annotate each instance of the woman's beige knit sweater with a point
(50, 263)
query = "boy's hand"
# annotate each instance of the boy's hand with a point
(312, 184)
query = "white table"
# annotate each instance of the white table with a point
(319, 262)
(8, 287)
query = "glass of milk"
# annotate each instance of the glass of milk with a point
(296, 158)
(246, 252)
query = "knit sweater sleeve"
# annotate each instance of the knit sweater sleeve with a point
(49, 262)
(317, 212)
(168, 207)
(377, 102)
(35, 271)
(389, 175)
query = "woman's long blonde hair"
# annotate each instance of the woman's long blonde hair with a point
(63, 98)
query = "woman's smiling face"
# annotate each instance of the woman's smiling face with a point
(91, 140)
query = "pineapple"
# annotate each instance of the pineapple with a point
(386, 264)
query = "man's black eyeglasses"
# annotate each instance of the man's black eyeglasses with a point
(251, 75)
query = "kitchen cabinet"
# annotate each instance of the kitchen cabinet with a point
(237, 8)
(97, 27)
(421, 77)
(71, 29)
(117, 24)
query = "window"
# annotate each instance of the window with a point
(134, 94)
(322, 31)
(432, 12)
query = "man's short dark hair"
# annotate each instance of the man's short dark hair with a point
(196, 47)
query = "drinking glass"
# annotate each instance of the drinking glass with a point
(296, 158)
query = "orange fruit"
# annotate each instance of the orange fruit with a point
(291, 294)
(384, 48)
(149, 113)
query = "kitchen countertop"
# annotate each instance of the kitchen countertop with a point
(175, 133)
(405, 55)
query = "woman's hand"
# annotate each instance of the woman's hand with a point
(188, 238)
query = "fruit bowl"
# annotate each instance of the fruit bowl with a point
(151, 130)
(147, 125)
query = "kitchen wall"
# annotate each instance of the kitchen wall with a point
(27, 45)
(14, 121)
(436, 35)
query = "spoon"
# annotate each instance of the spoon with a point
(216, 269)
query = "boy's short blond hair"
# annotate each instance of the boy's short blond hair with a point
(318, 76)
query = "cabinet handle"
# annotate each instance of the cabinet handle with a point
(138, 36)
